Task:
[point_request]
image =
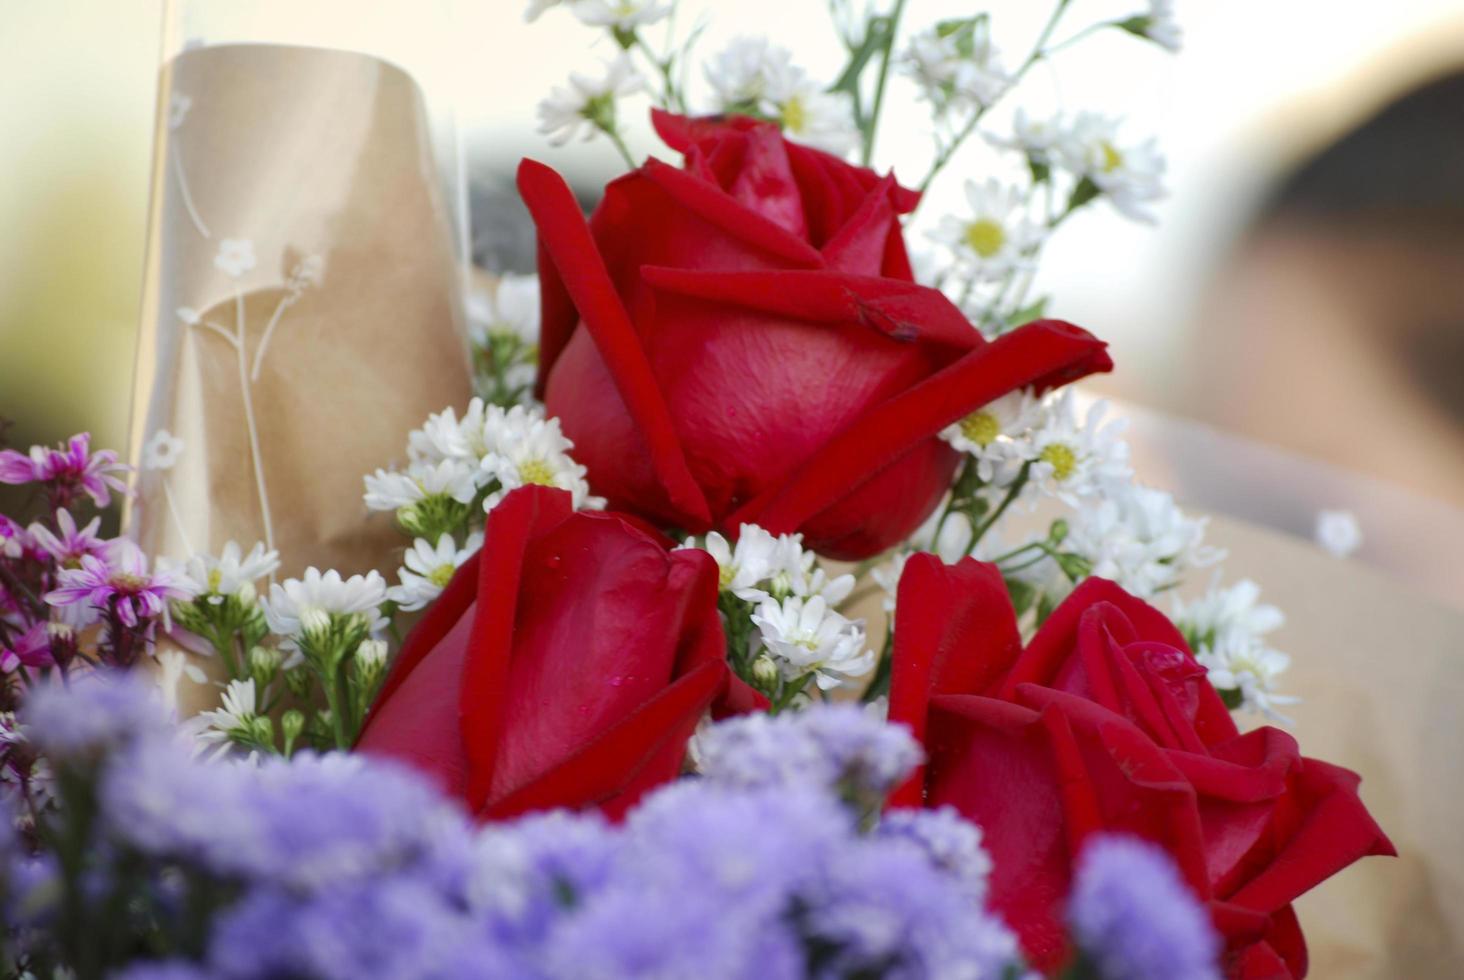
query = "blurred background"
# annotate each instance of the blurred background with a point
(1301, 289)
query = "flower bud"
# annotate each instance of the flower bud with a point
(292, 723)
(371, 655)
(264, 662)
(764, 672)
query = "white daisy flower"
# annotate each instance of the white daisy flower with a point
(743, 567)
(992, 433)
(587, 105)
(427, 568)
(307, 604)
(239, 708)
(1226, 629)
(443, 436)
(1071, 459)
(809, 114)
(537, 7)
(1160, 26)
(511, 311)
(392, 489)
(229, 573)
(958, 71)
(1129, 175)
(1037, 138)
(527, 448)
(619, 15)
(1338, 532)
(161, 451)
(804, 636)
(739, 72)
(235, 257)
(996, 238)
(1138, 537)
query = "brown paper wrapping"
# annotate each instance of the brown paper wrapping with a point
(350, 317)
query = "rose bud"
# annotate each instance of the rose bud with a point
(1105, 722)
(565, 665)
(742, 340)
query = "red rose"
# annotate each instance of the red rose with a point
(1105, 722)
(742, 340)
(566, 664)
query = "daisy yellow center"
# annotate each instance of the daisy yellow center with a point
(985, 237)
(1112, 159)
(795, 114)
(807, 643)
(536, 471)
(127, 583)
(725, 576)
(215, 579)
(981, 427)
(1061, 458)
(441, 575)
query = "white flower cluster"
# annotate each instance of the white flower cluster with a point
(956, 67)
(995, 239)
(752, 75)
(486, 453)
(455, 463)
(1226, 628)
(1088, 147)
(791, 601)
(1064, 457)
(586, 106)
(504, 329)
(230, 573)
(298, 607)
(1138, 537)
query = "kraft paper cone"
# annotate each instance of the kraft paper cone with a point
(302, 305)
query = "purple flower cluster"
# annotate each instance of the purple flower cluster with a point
(66, 472)
(841, 748)
(59, 576)
(340, 867)
(335, 866)
(1133, 918)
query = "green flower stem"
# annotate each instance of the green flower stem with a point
(1039, 51)
(892, 26)
(619, 142)
(1012, 493)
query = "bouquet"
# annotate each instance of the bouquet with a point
(775, 608)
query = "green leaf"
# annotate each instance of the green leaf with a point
(1023, 594)
(1034, 310)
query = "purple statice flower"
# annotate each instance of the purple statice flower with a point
(162, 970)
(948, 840)
(319, 820)
(120, 583)
(666, 934)
(68, 544)
(162, 802)
(72, 470)
(31, 648)
(1133, 917)
(879, 908)
(92, 714)
(527, 874)
(838, 746)
(395, 927)
(751, 848)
